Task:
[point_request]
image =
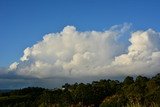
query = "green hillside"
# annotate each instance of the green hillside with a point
(138, 92)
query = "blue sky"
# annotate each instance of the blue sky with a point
(24, 22)
(73, 56)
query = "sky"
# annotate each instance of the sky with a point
(42, 40)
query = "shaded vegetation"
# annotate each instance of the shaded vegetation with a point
(141, 92)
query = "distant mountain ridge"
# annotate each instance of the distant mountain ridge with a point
(5, 90)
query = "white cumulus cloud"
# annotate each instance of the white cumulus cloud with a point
(143, 56)
(13, 66)
(71, 53)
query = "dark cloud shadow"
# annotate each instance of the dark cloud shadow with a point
(14, 81)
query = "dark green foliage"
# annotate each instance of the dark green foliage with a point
(19, 98)
(105, 93)
(128, 80)
(144, 92)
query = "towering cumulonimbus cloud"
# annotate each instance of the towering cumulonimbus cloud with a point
(71, 53)
(143, 56)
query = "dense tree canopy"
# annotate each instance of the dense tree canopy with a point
(141, 91)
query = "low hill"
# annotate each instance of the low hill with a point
(139, 92)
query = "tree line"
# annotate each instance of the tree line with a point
(139, 92)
